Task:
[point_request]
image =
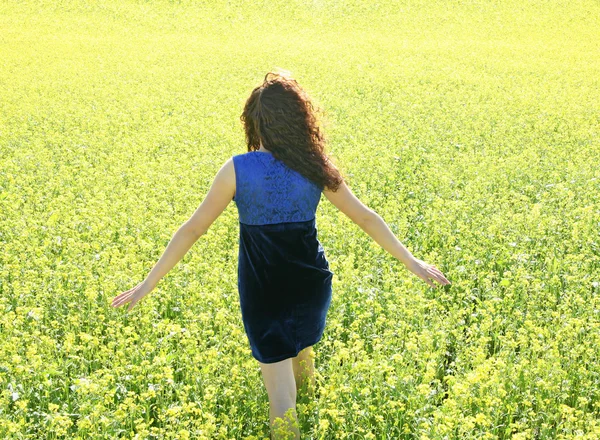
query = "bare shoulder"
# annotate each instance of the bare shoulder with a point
(228, 171)
(224, 181)
(229, 167)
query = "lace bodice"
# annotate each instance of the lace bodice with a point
(268, 191)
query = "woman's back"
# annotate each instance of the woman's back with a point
(284, 279)
(268, 191)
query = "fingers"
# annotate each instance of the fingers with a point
(121, 295)
(122, 298)
(441, 279)
(439, 275)
(119, 298)
(426, 277)
(444, 279)
(431, 274)
(436, 270)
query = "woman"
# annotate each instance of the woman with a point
(284, 281)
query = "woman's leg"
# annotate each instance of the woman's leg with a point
(281, 388)
(304, 369)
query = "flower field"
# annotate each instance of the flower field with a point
(471, 127)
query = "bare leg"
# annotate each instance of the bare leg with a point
(279, 381)
(304, 370)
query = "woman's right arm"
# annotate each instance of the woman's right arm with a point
(374, 225)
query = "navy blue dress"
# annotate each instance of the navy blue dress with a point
(284, 281)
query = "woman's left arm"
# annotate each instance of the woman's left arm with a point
(219, 196)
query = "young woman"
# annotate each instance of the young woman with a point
(284, 281)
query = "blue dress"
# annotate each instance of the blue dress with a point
(284, 281)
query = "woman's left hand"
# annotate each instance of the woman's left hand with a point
(133, 295)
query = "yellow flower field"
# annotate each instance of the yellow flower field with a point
(471, 127)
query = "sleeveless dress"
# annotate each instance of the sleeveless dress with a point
(284, 281)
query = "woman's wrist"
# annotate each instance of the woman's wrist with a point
(150, 282)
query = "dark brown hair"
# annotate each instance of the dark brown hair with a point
(281, 115)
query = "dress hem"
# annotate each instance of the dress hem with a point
(282, 357)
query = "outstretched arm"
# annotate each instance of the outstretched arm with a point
(217, 199)
(374, 225)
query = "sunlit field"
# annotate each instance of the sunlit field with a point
(472, 128)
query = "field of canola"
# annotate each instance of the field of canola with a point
(471, 127)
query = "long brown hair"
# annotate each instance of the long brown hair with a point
(281, 115)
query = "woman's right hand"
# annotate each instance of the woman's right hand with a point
(427, 272)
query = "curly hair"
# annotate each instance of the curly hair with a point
(280, 114)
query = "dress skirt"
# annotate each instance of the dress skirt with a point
(284, 283)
